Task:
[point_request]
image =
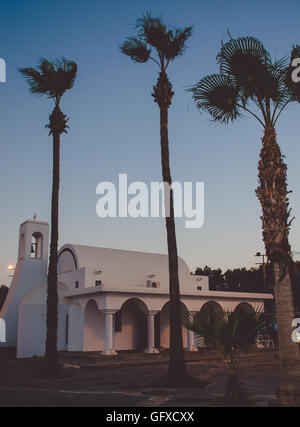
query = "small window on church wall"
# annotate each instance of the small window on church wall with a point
(118, 321)
(76, 285)
(36, 246)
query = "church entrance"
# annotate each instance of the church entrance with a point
(131, 326)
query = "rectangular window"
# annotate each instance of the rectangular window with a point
(118, 321)
(98, 283)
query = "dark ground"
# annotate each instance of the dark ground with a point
(123, 380)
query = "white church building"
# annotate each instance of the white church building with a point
(109, 299)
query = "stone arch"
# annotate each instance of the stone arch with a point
(164, 326)
(94, 327)
(132, 325)
(36, 245)
(208, 312)
(140, 304)
(67, 261)
(85, 300)
(245, 307)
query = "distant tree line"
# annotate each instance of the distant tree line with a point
(237, 280)
(247, 280)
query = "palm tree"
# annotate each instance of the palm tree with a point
(166, 44)
(249, 81)
(231, 332)
(53, 78)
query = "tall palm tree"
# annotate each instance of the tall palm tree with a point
(158, 43)
(53, 78)
(251, 82)
(231, 332)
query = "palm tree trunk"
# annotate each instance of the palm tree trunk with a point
(289, 393)
(177, 371)
(273, 195)
(52, 295)
(57, 126)
(234, 393)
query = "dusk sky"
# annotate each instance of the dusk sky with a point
(114, 126)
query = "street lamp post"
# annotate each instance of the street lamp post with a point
(263, 256)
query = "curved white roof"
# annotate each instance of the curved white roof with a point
(121, 267)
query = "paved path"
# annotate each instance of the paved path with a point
(124, 381)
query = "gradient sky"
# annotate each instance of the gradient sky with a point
(114, 125)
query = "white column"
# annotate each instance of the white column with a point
(191, 341)
(151, 333)
(109, 333)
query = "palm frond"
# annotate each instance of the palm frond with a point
(63, 76)
(241, 329)
(37, 82)
(274, 86)
(177, 41)
(153, 34)
(51, 78)
(234, 49)
(218, 95)
(245, 60)
(229, 331)
(153, 31)
(68, 69)
(136, 49)
(206, 333)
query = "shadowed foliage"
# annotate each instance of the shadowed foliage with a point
(238, 279)
(232, 333)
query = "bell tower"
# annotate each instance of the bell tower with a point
(33, 240)
(30, 272)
